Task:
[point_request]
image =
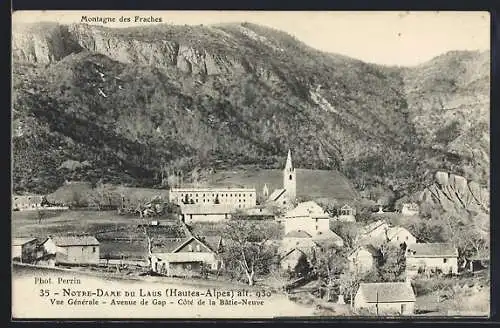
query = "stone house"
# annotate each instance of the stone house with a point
(410, 209)
(291, 258)
(385, 298)
(400, 235)
(429, 257)
(373, 233)
(346, 214)
(189, 257)
(75, 249)
(363, 259)
(308, 217)
(22, 248)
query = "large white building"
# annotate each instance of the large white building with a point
(233, 197)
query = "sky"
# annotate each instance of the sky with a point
(387, 38)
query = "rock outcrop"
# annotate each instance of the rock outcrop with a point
(454, 192)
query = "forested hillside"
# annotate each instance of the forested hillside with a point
(124, 105)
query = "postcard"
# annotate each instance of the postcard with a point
(250, 164)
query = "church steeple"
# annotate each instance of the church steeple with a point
(288, 165)
(289, 179)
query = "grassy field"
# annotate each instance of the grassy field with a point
(310, 183)
(118, 235)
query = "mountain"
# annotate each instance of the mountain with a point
(124, 105)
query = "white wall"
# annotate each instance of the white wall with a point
(235, 198)
(17, 251)
(362, 261)
(413, 264)
(307, 224)
(403, 236)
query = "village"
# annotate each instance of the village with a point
(263, 237)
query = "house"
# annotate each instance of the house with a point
(429, 257)
(400, 235)
(363, 259)
(190, 257)
(22, 248)
(308, 217)
(346, 214)
(292, 258)
(327, 238)
(297, 239)
(205, 213)
(410, 209)
(286, 196)
(27, 202)
(230, 197)
(385, 298)
(75, 249)
(373, 233)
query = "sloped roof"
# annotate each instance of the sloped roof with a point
(168, 245)
(431, 250)
(257, 211)
(276, 194)
(368, 247)
(185, 257)
(297, 234)
(387, 292)
(206, 209)
(213, 242)
(311, 209)
(188, 240)
(392, 232)
(327, 235)
(371, 227)
(75, 241)
(293, 250)
(21, 241)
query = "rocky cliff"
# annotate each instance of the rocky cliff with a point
(453, 192)
(132, 102)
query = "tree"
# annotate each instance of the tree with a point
(302, 268)
(392, 263)
(328, 263)
(247, 251)
(349, 284)
(348, 231)
(40, 216)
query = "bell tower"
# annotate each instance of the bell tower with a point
(289, 179)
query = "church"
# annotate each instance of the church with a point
(286, 196)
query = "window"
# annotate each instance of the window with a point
(93, 249)
(290, 177)
(190, 248)
(198, 248)
(406, 237)
(444, 260)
